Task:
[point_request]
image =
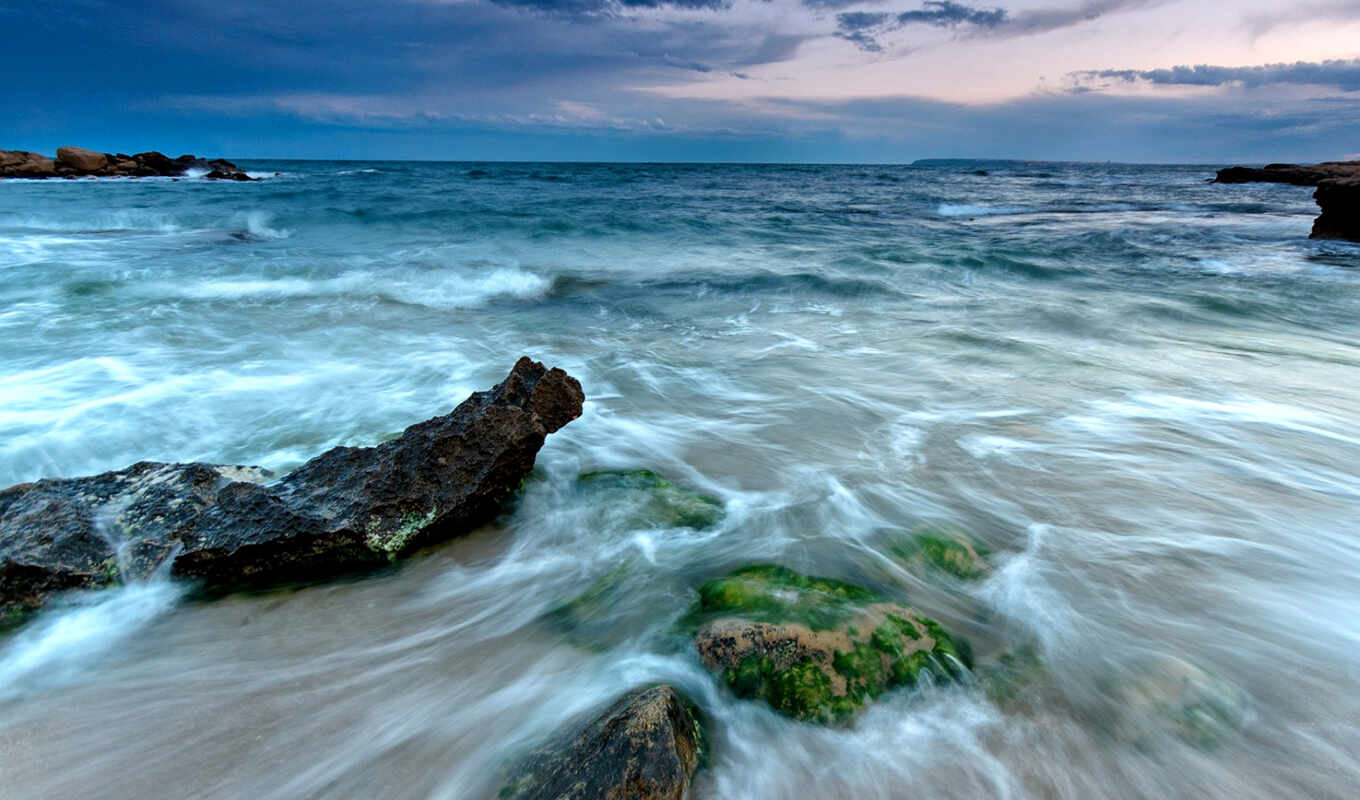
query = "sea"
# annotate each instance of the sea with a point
(1138, 392)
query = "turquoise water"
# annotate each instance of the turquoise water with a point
(1135, 388)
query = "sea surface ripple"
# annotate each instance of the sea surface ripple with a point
(1138, 390)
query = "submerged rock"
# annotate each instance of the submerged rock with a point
(1173, 697)
(590, 620)
(651, 500)
(348, 509)
(646, 746)
(948, 551)
(816, 649)
(1012, 676)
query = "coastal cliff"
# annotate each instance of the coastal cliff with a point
(77, 162)
(1338, 192)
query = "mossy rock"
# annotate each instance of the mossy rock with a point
(1173, 697)
(1012, 676)
(589, 619)
(651, 500)
(816, 649)
(949, 551)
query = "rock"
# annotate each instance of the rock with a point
(73, 162)
(1338, 192)
(81, 160)
(649, 501)
(591, 619)
(948, 551)
(1339, 199)
(158, 163)
(226, 175)
(222, 169)
(23, 164)
(1173, 697)
(1294, 174)
(1009, 679)
(351, 508)
(816, 649)
(646, 746)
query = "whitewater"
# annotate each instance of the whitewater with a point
(1136, 389)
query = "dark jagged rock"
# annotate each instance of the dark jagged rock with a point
(646, 746)
(77, 162)
(1339, 199)
(1338, 193)
(348, 509)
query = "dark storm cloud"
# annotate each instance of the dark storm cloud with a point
(1340, 74)
(489, 56)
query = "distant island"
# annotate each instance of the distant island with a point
(77, 162)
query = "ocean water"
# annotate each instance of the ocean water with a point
(1137, 390)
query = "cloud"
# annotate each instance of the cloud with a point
(1300, 13)
(1337, 74)
(587, 9)
(864, 29)
(948, 14)
(1043, 20)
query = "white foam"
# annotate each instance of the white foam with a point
(449, 290)
(62, 645)
(966, 210)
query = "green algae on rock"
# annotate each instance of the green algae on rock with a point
(949, 551)
(816, 649)
(1173, 697)
(1012, 676)
(588, 619)
(646, 746)
(651, 500)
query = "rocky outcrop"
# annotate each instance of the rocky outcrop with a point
(1294, 174)
(1339, 199)
(351, 508)
(646, 746)
(77, 162)
(1338, 193)
(814, 648)
(23, 164)
(81, 160)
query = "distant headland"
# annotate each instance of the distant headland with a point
(77, 162)
(1338, 192)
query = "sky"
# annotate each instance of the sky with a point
(1191, 81)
